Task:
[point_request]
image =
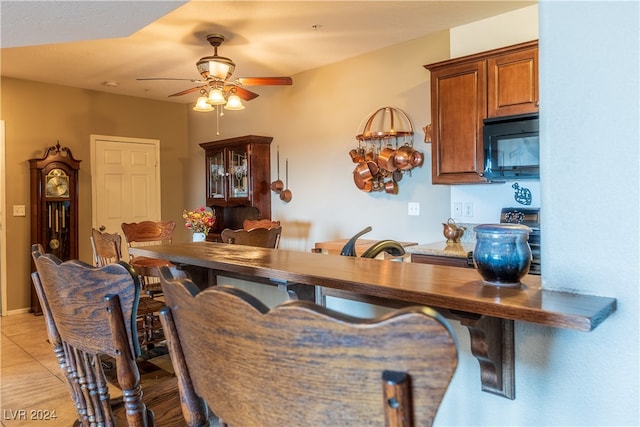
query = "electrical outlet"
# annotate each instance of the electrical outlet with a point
(19, 210)
(413, 208)
(468, 209)
(457, 210)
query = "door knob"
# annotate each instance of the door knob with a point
(102, 228)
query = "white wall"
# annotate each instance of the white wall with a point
(589, 186)
(590, 89)
(502, 30)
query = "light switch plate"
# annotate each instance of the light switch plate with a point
(457, 209)
(467, 208)
(19, 210)
(413, 208)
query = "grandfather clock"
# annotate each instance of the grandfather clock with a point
(54, 206)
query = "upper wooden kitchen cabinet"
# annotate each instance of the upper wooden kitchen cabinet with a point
(513, 81)
(465, 91)
(237, 176)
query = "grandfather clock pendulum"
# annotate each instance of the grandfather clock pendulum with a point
(54, 206)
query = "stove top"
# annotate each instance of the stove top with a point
(531, 218)
(525, 216)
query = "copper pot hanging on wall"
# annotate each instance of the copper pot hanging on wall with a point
(277, 186)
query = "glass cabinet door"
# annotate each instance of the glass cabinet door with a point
(238, 183)
(217, 175)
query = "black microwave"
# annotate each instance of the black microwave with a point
(511, 147)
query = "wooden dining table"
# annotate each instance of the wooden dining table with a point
(487, 311)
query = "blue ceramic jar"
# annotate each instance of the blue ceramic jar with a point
(502, 253)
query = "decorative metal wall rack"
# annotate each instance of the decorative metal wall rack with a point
(385, 151)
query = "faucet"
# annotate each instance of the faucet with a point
(349, 249)
(389, 246)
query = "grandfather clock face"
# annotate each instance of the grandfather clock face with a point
(57, 184)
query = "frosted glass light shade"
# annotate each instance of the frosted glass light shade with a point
(234, 103)
(202, 105)
(216, 97)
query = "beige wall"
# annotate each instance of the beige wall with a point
(37, 115)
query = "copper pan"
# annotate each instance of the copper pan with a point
(277, 186)
(286, 196)
(363, 185)
(391, 187)
(402, 159)
(385, 159)
(373, 167)
(417, 158)
(358, 179)
(369, 156)
(357, 156)
(364, 172)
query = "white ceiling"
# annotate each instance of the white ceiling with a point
(87, 43)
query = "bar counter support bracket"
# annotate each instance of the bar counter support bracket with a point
(492, 343)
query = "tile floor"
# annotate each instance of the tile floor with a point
(32, 387)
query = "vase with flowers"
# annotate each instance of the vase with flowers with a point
(199, 221)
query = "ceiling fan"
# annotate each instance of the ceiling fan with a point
(217, 86)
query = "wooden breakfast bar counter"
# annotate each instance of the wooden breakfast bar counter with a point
(488, 312)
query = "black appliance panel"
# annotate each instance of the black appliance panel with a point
(531, 218)
(512, 147)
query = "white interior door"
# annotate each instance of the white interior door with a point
(125, 182)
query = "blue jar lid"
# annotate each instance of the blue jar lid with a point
(502, 228)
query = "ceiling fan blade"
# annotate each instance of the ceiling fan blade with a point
(256, 81)
(245, 94)
(171, 78)
(184, 92)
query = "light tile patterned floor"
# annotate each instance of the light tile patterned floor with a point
(32, 389)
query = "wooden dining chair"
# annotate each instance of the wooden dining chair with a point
(261, 237)
(146, 233)
(90, 314)
(300, 364)
(107, 250)
(250, 224)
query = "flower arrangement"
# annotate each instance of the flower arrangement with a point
(198, 220)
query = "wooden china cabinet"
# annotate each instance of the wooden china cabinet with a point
(237, 176)
(465, 91)
(54, 207)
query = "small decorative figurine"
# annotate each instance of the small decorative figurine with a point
(522, 195)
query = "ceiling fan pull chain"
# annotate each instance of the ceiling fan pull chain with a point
(218, 114)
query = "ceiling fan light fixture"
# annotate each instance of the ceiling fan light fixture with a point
(234, 103)
(216, 66)
(202, 105)
(216, 97)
